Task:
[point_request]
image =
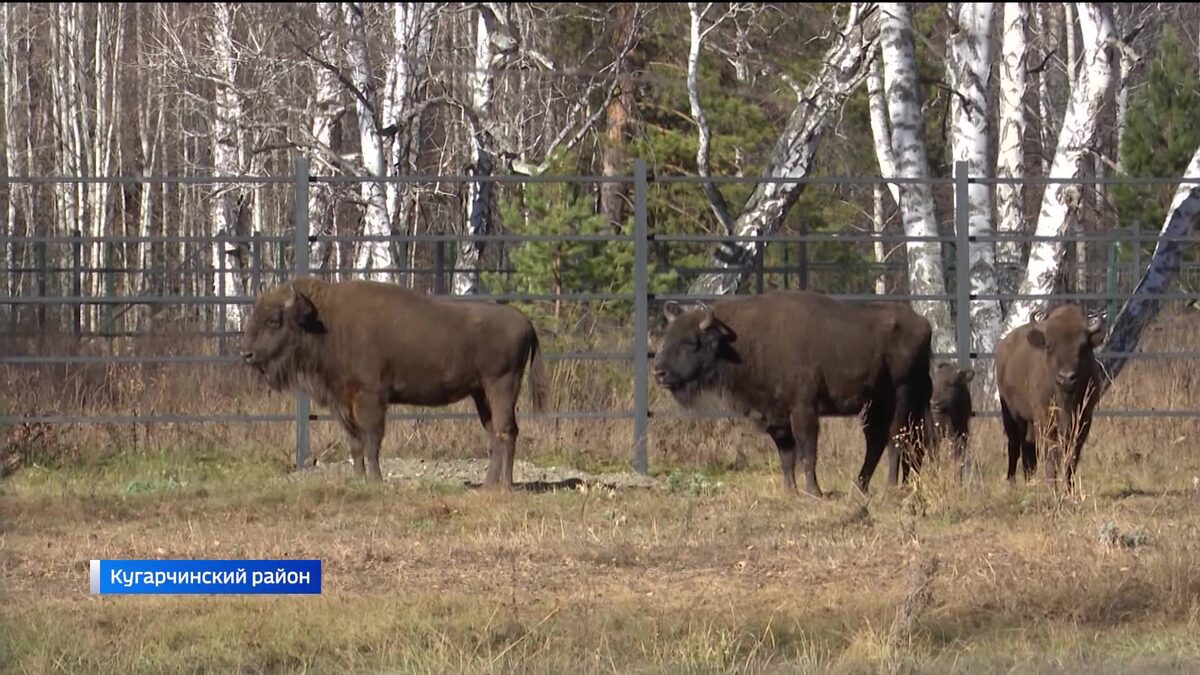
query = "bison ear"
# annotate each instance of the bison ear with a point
(967, 374)
(1037, 338)
(672, 310)
(300, 308)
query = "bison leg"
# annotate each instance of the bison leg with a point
(354, 434)
(785, 442)
(501, 399)
(876, 430)
(1014, 431)
(371, 416)
(805, 429)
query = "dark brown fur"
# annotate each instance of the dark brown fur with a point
(786, 359)
(1048, 378)
(358, 346)
(950, 410)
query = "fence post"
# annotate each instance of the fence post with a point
(256, 263)
(641, 302)
(110, 288)
(77, 280)
(1137, 255)
(962, 265)
(758, 266)
(301, 258)
(439, 267)
(222, 292)
(39, 252)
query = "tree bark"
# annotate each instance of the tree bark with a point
(226, 132)
(327, 107)
(925, 271)
(1061, 201)
(613, 160)
(1010, 155)
(479, 195)
(374, 258)
(969, 68)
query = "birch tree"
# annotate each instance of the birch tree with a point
(1010, 155)
(465, 279)
(226, 153)
(969, 68)
(843, 68)
(327, 107)
(916, 199)
(1078, 133)
(373, 259)
(1143, 305)
(882, 135)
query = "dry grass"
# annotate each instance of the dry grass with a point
(715, 572)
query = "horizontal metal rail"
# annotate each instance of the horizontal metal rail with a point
(186, 359)
(232, 418)
(544, 178)
(449, 416)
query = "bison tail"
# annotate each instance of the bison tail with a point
(537, 376)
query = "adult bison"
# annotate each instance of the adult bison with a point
(950, 410)
(785, 359)
(358, 346)
(1048, 379)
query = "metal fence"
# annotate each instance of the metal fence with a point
(786, 273)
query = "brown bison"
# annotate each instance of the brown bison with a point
(950, 410)
(785, 359)
(358, 346)
(1048, 379)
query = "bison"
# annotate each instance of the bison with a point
(950, 410)
(785, 359)
(1049, 380)
(358, 346)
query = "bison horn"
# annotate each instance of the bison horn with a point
(672, 310)
(709, 317)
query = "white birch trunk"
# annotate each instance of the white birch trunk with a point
(843, 68)
(1126, 64)
(882, 136)
(373, 257)
(969, 69)
(1010, 155)
(1143, 305)
(916, 199)
(879, 246)
(1069, 38)
(479, 195)
(10, 100)
(880, 130)
(1060, 202)
(411, 31)
(226, 139)
(150, 133)
(326, 107)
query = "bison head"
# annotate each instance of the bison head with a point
(688, 359)
(1068, 340)
(950, 390)
(279, 324)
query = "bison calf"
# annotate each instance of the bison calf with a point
(785, 359)
(1048, 379)
(950, 410)
(358, 346)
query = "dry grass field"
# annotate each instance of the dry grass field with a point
(711, 570)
